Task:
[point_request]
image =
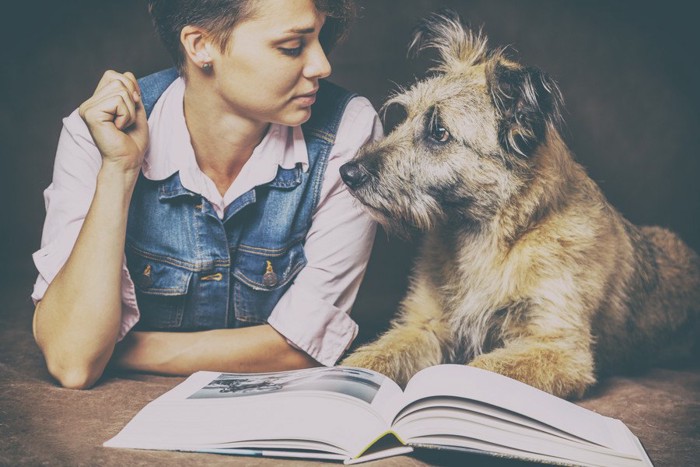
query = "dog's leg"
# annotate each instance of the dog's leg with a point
(559, 364)
(417, 339)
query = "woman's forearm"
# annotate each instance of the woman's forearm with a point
(244, 350)
(77, 321)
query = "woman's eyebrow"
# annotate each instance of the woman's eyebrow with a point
(308, 30)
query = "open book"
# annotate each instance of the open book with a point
(354, 415)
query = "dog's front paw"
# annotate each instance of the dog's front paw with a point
(548, 371)
(376, 360)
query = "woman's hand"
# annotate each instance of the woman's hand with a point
(117, 120)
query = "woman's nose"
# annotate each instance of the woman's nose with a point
(317, 66)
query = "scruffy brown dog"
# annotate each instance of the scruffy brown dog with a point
(525, 269)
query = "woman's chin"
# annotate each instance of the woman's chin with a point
(296, 118)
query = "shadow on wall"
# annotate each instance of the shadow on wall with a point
(632, 103)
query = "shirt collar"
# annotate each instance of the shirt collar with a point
(171, 150)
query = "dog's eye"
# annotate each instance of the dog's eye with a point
(439, 133)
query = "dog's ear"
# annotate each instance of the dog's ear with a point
(528, 100)
(457, 46)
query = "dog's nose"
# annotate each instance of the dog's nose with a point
(352, 174)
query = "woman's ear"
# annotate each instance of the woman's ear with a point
(197, 47)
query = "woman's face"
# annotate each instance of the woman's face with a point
(269, 72)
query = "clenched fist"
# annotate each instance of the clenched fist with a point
(117, 120)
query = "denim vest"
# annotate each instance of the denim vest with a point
(193, 270)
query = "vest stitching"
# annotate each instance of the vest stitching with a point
(318, 181)
(194, 219)
(268, 251)
(164, 292)
(326, 137)
(192, 267)
(334, 123)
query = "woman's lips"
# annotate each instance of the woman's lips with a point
(306, 99)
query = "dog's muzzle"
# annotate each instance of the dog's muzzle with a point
(353, 174)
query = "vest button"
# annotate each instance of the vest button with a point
(145, 279)
(270, 277)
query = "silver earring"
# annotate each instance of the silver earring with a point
(206, 66)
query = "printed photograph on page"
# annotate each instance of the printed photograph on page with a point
(354, 382)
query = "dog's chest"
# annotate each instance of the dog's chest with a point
(469, 275)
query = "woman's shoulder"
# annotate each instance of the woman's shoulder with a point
(154, 85)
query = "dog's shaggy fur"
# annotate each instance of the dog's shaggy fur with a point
(525, 269)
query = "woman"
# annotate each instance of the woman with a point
(216, 213)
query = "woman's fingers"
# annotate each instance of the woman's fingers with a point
(115, 106)
(107, 119)
(127, 79)
(139, 127)
(111, 84)
(116, 83)
(124, 112)
(136, 91)
(116, 118)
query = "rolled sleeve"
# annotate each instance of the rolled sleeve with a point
(50, 259)
(314, 314)
(326, 331)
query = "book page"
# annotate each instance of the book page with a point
(458, 428)
(326, 409)
(499, 391)
(468, 409)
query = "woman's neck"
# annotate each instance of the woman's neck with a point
(222, 141)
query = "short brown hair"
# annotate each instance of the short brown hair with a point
(219, 17)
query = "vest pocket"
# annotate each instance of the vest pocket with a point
(262, 276)
(161, 291)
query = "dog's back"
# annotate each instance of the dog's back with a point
(661, 320)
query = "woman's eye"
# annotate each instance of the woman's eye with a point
(291, 52)
(439, 133)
